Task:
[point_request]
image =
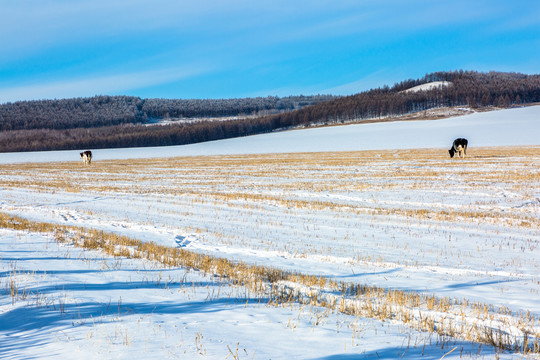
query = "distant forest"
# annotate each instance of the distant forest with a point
(122, 121)
(100, 111)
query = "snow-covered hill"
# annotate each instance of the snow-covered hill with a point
(414, 221)
(429, 86)
(510, 127)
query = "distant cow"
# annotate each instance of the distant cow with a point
(87, 157)
(460, 147)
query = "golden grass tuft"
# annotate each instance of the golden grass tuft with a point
(342, 184)
(282, 288)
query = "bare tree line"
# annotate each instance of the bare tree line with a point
(466, 88)
(102, 111)
(110, 122)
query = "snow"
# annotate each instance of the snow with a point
(271, 211)
(429, 86)
(85, 305)
(510, 127)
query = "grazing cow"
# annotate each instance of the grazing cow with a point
(460, 147)
(87, 157)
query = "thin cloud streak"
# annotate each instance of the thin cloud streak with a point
(303, 45)
(60, 21)
(90, 86)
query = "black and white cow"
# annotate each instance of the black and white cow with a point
(87, 157)
(460, 147)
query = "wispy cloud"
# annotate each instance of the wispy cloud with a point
(253, 45)
(377, 79)
(51, 21)
(105, 84)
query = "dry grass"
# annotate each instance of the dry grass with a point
(474, 322)
(285, 180)
(397, 187)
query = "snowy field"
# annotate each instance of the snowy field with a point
(357, 204)
(496, 128)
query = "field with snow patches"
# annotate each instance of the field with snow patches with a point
(375, 254)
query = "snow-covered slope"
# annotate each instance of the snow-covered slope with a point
(510, 127)
(428, 86)
(456, 229)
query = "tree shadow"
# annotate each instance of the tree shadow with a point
(457, 349)
(358, 275)
(16, 324)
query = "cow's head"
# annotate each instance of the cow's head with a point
(82, 155)
(452, 152)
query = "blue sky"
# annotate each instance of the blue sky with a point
(224, 49)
